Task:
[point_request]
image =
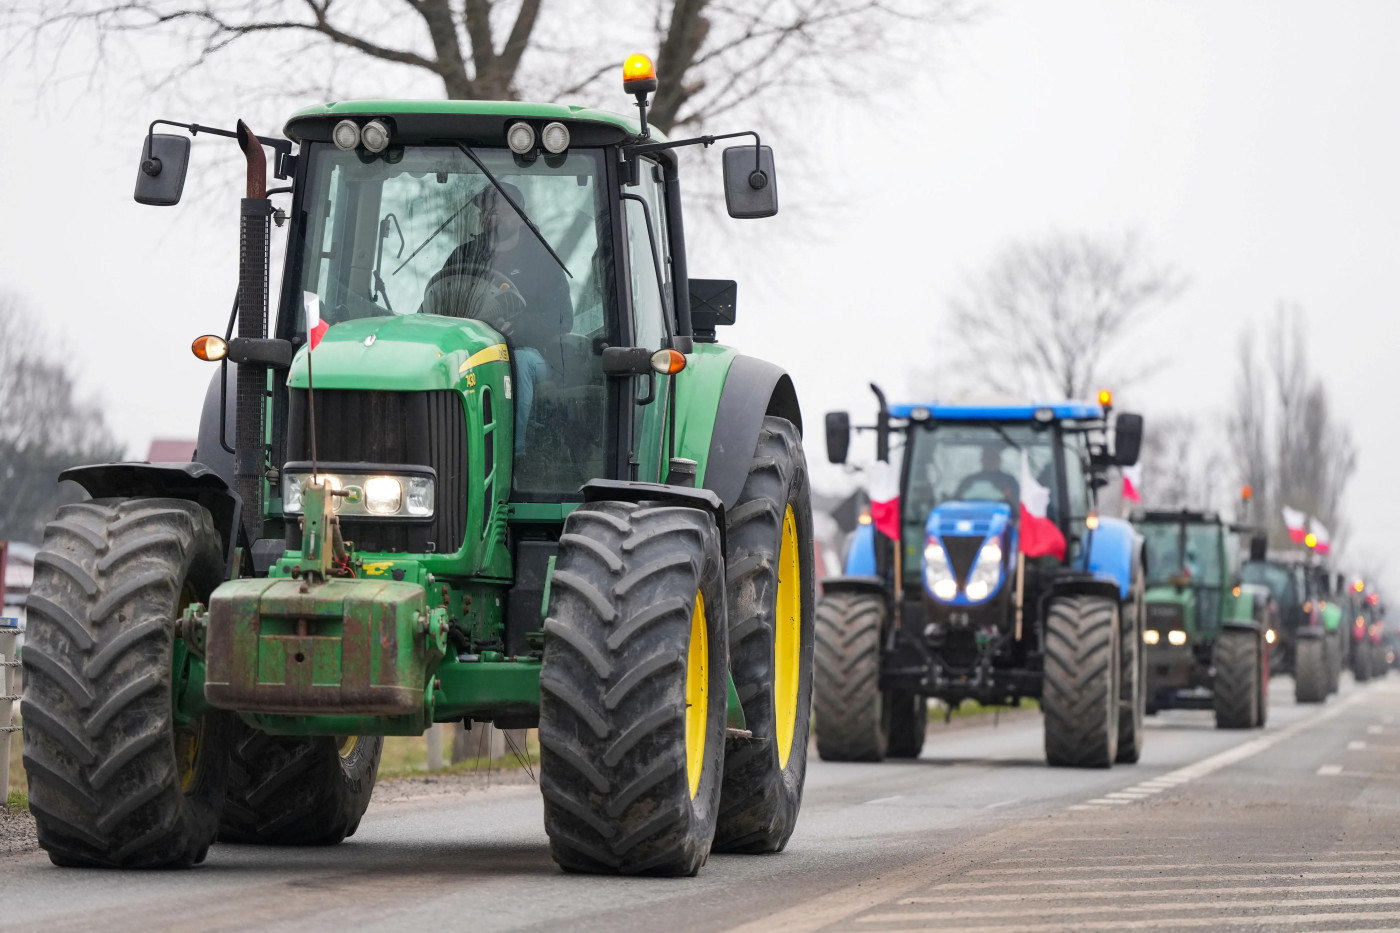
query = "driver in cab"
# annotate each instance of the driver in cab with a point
(1007, 487)
(542, 310)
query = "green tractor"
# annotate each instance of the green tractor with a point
(1308, 641)
(487, 464)
(1206, 631)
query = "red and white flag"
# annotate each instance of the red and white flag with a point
(1296, 523)
(883, 479)
(1132, 483)
(1323, 538)
(1039, 535)
(315, 327)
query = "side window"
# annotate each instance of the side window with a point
(1076, 486)
(651, 296)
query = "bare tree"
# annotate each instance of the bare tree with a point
(713, 56)
(1046, 315)
(1284, 438)
(44, 428)
(1181, 468)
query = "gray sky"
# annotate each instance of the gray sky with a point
(1254, 143)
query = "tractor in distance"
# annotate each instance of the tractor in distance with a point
(517, 482)
(991, 578)
(1308, 641)
(1207, 633)
(1364, 615)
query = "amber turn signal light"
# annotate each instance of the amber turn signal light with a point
(668, 362)
(209, 348)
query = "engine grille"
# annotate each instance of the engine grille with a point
(1165, 615)
(387, 428)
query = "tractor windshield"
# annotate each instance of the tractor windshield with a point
(1276, 578)
(420, 229)
(1176, 550)
(974, 462)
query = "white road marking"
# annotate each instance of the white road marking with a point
(1003, 803)
(1374, 730)
(1274, 889)
(1202, 883)
(1039, 911)
(1356, 746)
(1207, 922)
(1311, 863)
(1330, 769)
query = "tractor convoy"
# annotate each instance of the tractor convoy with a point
(483, 460)
(486, 462)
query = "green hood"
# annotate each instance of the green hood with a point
(408, 353)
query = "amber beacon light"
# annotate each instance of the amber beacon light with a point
(638, 74)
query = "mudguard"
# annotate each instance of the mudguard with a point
(195, 482)
(208, 449)
(752, 389)
(850, 584)
(860, 553)
(1111, 549)
(1240, 625)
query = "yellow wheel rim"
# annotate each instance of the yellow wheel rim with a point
(787, 639)
(697, 696)
(348, 744)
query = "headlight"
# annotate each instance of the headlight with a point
(938, 575)
(986, 572)
(1177, 637)
(1151, 636)
(376, 494)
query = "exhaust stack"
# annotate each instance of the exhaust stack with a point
(250, 464)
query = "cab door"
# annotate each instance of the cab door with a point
(650, 281)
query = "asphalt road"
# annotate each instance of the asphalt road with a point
(1291, 828)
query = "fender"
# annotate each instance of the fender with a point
(1086, 584)
(1111, 549)
(194, 482)
(871, 586)
(860, 553)
(1240, 625)
(1308, 631)
(738, 420)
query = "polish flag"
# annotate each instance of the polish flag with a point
(1039, 535)
(1132, 483)
(1324, 539)
(883, 479)
(1296, 523)
(315, 327)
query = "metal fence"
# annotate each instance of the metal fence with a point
(9, 699)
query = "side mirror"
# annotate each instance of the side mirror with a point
(838, 436)
(750, 183)
(160, 179)
(1127, 439)
(1259, 548)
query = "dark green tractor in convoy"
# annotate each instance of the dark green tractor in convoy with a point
(1308, 644)
(517, 482)
(1206, 633)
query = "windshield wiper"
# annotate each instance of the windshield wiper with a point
(519, 211)
(379, 290)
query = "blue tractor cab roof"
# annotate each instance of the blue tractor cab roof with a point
(942, 411)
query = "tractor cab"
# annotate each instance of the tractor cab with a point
(994, 542)
(1208, 631)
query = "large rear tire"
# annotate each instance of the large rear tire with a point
(116, 779)
(632, 690)
(771, 593)
(1235, 658)
(1080, 695)
(849, 706)
(1332, 652)
(1132, 682)
(1310, 673)
(295, 790)
(908, 718)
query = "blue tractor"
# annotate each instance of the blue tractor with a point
(950, 607)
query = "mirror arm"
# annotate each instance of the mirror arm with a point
(283, 164)
(756, 180)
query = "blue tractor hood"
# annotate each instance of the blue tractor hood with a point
(961, 531)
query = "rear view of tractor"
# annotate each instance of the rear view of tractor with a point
(986, 574)
(485, 462)
(1309, 643)
(1207, 631)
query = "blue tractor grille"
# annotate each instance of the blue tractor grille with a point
(962, 551)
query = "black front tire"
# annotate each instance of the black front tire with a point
(908, 719)
(1236, 660)
(624, 791)
(297, 790)
(851, 720)
(771, 592)
(1080, 694)
(115, 779)
(1310, 670)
